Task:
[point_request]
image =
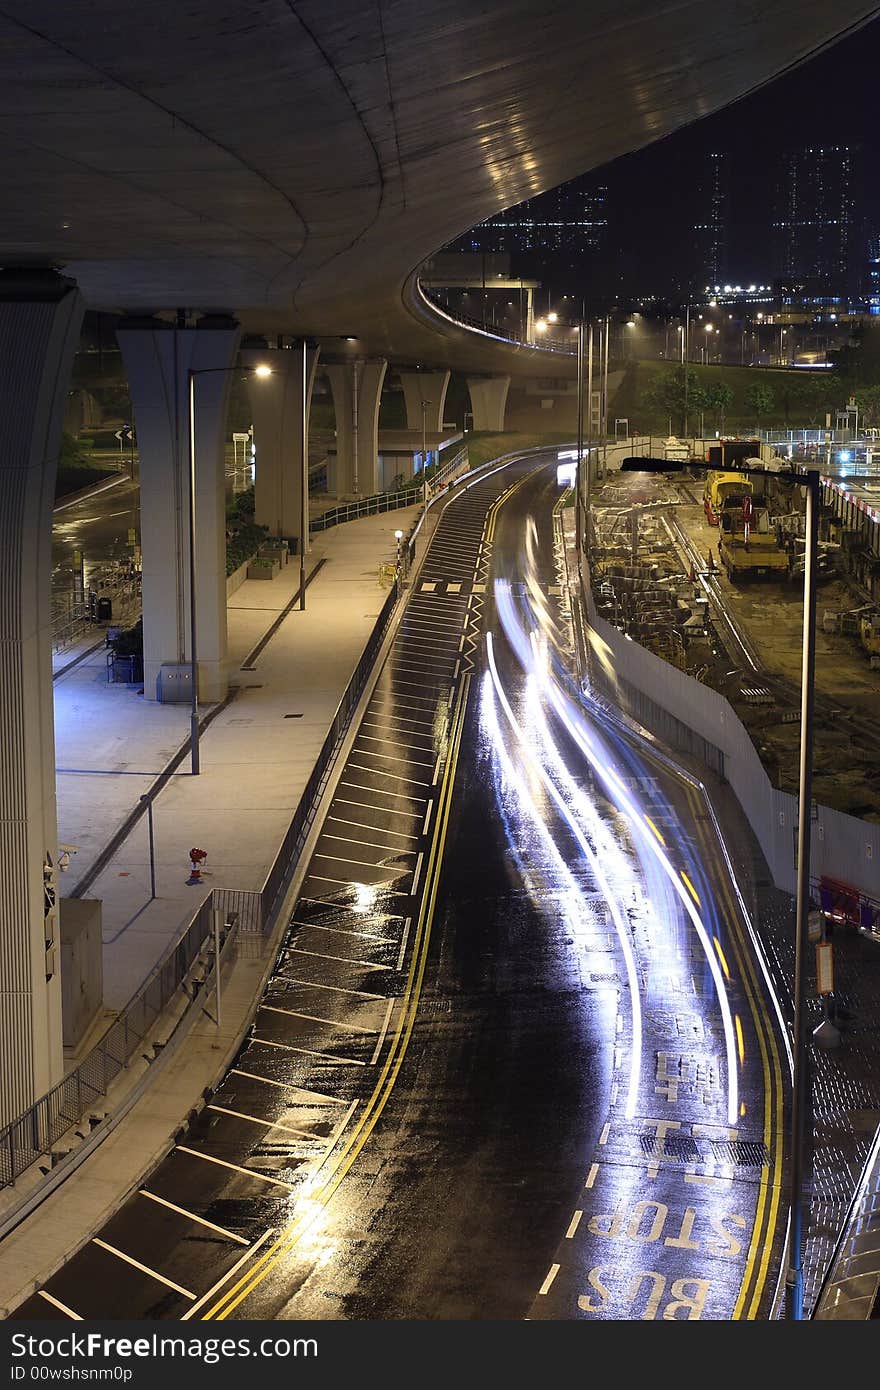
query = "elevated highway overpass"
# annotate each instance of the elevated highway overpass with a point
(231, 173)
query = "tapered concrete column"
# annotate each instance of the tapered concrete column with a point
(427, 387)
(488, 401)
(158, 358)
(357, 390)
(40, 318)
(280, 406)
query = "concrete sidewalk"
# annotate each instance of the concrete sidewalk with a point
(255, 756)
(255, 761)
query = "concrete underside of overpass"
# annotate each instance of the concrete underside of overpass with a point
(293, 161)
(272, 168)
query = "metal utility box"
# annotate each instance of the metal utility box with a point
(174, 685)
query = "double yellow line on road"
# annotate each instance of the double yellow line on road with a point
(760, 1249)
(333, 1169)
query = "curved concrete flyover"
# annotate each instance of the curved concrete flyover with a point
(292, 161)
(272, 167)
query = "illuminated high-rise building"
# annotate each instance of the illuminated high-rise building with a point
(819, 219)
(710, 228)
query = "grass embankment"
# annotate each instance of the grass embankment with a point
(483, 446)
(785, 412)
(71, 479)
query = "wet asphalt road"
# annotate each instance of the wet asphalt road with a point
(492, 1077)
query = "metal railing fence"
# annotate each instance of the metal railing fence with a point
(33, 1134)
(285, 861)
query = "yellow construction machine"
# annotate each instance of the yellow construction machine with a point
(748, 544)
(722, 489)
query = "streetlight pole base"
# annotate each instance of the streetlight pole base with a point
(826, 1034)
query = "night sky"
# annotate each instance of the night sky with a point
(829, 100)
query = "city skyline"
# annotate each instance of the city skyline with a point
(701, 207)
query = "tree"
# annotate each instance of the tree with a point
(868, 401)
(816, 394)
(759, 399)
(675, 395)
(719, 397)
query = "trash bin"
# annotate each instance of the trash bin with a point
(105, 610)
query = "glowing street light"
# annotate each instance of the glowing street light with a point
(192, 373)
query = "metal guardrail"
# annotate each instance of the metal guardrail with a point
(33, 1134)
(368, 506)
(285, 861)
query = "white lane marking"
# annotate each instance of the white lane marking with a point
(592, 1175)
(201, 1301)
(453, 588)
(378, 1047)
(456, 671)
(267, 1124)
(387, 890)
(314, 1018)
(462, 642)
(617, 1059)
(335, 989)
(191, 1216)
(428, 588)
(481, 589)
(376, 829)
(409, 703)
(418, 685)
(417, 874)
(345, 960)
(429, 667)
(389, 757)
(347, 801)
(364, 863)
(406, 927)
(144, 1269)
(614, 1089)
(603, 1137)
(310, 1052)
(427, 818)
(234, 1167)
(573, 1225)
(436, 771)
(377, 791)
(344, 931)
(554, 589)
(340, 1126)
(286, 1086)
(62, 1307)
(369, 844)
(357, 911)
(373, 722)
(393, 776)
(545, 1287)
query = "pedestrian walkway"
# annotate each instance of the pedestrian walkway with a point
(288, 670)
(255, 755)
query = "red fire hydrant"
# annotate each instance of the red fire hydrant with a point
(197, 857)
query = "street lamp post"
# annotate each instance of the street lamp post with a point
(398, 536)
(578, 520)
(192, 373)
(425, 405)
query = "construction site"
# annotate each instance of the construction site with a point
(705, 568)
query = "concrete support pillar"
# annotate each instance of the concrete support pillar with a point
(427, 387)
(357, 390)
(40, 319)
(530, 315)
(488, 401)
(158, 359)
(280, 406)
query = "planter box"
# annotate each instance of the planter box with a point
(263, 569)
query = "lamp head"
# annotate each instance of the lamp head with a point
(262, 370)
